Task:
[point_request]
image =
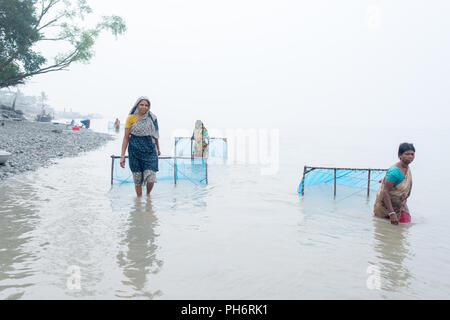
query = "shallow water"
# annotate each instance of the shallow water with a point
(66, 234)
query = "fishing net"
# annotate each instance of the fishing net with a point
(170, 168)
(217, 147)
(355, 178)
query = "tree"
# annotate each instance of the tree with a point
(24, 24)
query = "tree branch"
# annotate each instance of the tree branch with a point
(56, 67)
(44, 10)
(54, 39)
(50, 22)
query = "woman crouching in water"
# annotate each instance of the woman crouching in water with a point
(141, 138)
(396, 188)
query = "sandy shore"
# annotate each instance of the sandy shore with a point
(34, 144)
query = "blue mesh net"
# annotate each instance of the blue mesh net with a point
(217, 147)
(170, 168)
(356, 178)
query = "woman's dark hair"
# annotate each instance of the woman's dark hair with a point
(405, 146)
(133, 110)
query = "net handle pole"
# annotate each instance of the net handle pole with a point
(335, 182)
(226, 147)
(368, 183)
(175, 147)
(175, 162)
(303, 181)
(112, 169)
(175, 170)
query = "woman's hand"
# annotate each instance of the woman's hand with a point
(159, 152)
(393, 218)
(122, 162)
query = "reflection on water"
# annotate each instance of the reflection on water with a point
(18, 219)
(242, 236)
(392, 248)
(138, 258)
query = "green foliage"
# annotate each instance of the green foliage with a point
(26, 23)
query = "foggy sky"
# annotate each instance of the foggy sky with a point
(266, 63)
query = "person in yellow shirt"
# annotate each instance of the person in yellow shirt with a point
(141, 138)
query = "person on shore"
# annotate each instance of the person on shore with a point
(396, 187)
(200, 140)
(141, 137)
(86, 123)
(117, 124)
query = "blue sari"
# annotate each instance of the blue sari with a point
(142, 154)
(141, 147)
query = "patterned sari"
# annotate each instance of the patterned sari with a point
(201, 141)
(142, 152)
(398, 195)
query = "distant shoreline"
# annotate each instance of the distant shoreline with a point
(34, 144)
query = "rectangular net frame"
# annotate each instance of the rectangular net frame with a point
(352, 177)
(217, 147)
(170, 168)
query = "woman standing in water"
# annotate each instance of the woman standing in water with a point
(117, 124)
(141, 138)
(200, 140)
(396, 188)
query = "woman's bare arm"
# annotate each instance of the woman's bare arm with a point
(126, 138)
(157, 146)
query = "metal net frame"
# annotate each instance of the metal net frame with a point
(170, 168)
(360, 178)
(217, 148)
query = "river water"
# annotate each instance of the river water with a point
(65, 233)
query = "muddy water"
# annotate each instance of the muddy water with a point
(66, 234)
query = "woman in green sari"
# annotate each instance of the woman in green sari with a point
(200, 140)
(396, 188)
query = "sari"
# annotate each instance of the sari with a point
(200, 141)
(142, 153)
(398, 195)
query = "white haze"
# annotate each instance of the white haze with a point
(266, 63)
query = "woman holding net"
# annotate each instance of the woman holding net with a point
(396, 188)
(141, 138)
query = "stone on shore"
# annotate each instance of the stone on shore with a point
(34, 144)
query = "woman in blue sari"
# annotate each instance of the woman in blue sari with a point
(141, 138)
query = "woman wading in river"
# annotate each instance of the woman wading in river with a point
(141, 138)
(396, 188)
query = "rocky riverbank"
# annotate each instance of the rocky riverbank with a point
(35, 144)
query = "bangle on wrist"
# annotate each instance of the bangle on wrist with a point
(391, 213)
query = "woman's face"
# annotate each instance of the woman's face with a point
(143, 106)
(407, 156)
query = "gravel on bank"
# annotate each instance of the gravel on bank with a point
(34, 144)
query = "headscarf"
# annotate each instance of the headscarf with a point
(134, 109)
(147, 125)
